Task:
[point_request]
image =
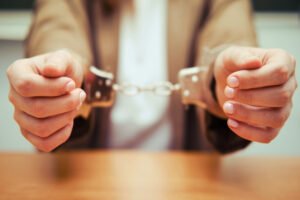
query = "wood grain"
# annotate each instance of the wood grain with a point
(143, 175)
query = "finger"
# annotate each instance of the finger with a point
(60, 63)
(269, 75)
(248, 132)
(28, 83)
(277, 96)
(239, 58)
(50, 143)
(43, 107)
(259, 117)
(43, 127)
(37, 86)
(56, 64)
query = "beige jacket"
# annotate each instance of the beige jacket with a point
(90, 28)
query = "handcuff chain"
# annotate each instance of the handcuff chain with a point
(163, 88)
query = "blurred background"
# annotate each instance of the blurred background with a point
(277, 23)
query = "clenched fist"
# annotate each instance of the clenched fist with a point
(255, 88)
(45, 91)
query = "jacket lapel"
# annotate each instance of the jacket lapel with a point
(107, 41)
(108, 38)
(183, 18)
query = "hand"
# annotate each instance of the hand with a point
(45, 94)
(255, 88)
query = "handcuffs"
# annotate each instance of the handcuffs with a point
(101, 87)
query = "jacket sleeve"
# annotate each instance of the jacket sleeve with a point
(60, 24)
(228, 22)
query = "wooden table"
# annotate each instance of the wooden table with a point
(141, 175)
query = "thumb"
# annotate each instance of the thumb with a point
(240, 58)
(62, 63)
(56, 64)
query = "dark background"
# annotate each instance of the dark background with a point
(259, 5)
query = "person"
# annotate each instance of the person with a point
(247, 90)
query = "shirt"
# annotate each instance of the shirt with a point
(142, 121)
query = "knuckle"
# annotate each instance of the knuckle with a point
(282, 74)
(68, 132)
(233, 48)
(64, 53)
(284, 114)
(71, 116)
(273, 132)
(66, 135)
(16, 117)
(48, 145)
(25, 135)
(284, 97)
(17, 62)
(42, 130)
(293, 60)
(228, 52)
(235, 53)
(277, 51)
(23, 86)
(279, 120)
(38, 109)
(72, 103)
(295, 84)
(10, 70)
(269, 135)
(266, 140)
(11, 98)
(45, 146)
